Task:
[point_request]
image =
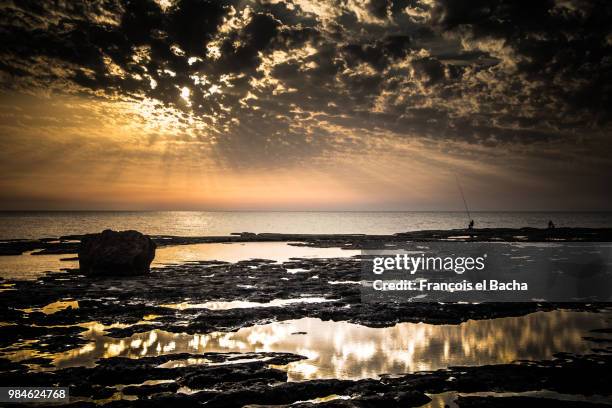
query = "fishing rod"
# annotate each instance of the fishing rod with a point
(467, 210)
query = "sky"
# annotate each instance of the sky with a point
(305, 105)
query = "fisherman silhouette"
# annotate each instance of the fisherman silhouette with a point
(471, 225)
(551, 225)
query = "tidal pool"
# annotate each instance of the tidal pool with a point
(29, 266)
(243, 304)
(351, 351)
(234, 252)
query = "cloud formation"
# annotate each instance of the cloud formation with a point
(270, 81)
(478, 70)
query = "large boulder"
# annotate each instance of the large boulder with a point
(116, 253)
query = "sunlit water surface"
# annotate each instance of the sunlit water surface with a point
(37, 224)
(351, 351)
(277, 251)
(29, 266)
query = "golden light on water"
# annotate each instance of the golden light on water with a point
(351, 351)
(54, 307)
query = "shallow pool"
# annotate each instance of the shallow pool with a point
(351, 351)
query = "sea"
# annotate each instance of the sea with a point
(42, 224)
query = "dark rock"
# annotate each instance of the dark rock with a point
(412, 399)
(69, 244)
(233, 373)
(511, 402)
(58, 248)
(14, 333)
(113, 253)
(142, 390)
(8, 365)
(10, 251)
(606, 330)
(91, 390)
(39, 361)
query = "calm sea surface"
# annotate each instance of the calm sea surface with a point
(196, 223)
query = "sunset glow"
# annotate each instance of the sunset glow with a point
(267, 109)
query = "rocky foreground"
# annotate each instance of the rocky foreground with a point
(255, 379)
(256, 384)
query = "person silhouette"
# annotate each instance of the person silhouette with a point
(471, 225)
(551, 225)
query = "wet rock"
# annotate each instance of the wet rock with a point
(512, 402)
(91, 390)
(48, 337)
(79, 404)
(143, 390)
(607, 330)
(68, 244)
(256, 384)
(10, 251)
(121, 300)
(412, 399)
(233, 373)
(161, 401)
(113, 253)
(387, 400)
(39, 361)
(8, 365)
(58, 248)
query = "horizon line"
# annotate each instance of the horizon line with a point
(310, 211)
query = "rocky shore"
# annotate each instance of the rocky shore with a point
(51, 315)
(257, 384)
(69, 244)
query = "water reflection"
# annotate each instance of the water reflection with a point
(29, 266)
(351, 351)
(243, 304)
(278, 251)
(54, 307)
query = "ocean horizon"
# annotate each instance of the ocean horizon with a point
(40, 224)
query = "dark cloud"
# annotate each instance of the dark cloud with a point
(379, 8)
(255, 37)
(193, 23)
(430, 69)
(378, 53)
(281, 74)
(564, 48)
(141, 21)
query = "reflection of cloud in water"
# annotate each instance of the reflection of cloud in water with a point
(345, 350)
